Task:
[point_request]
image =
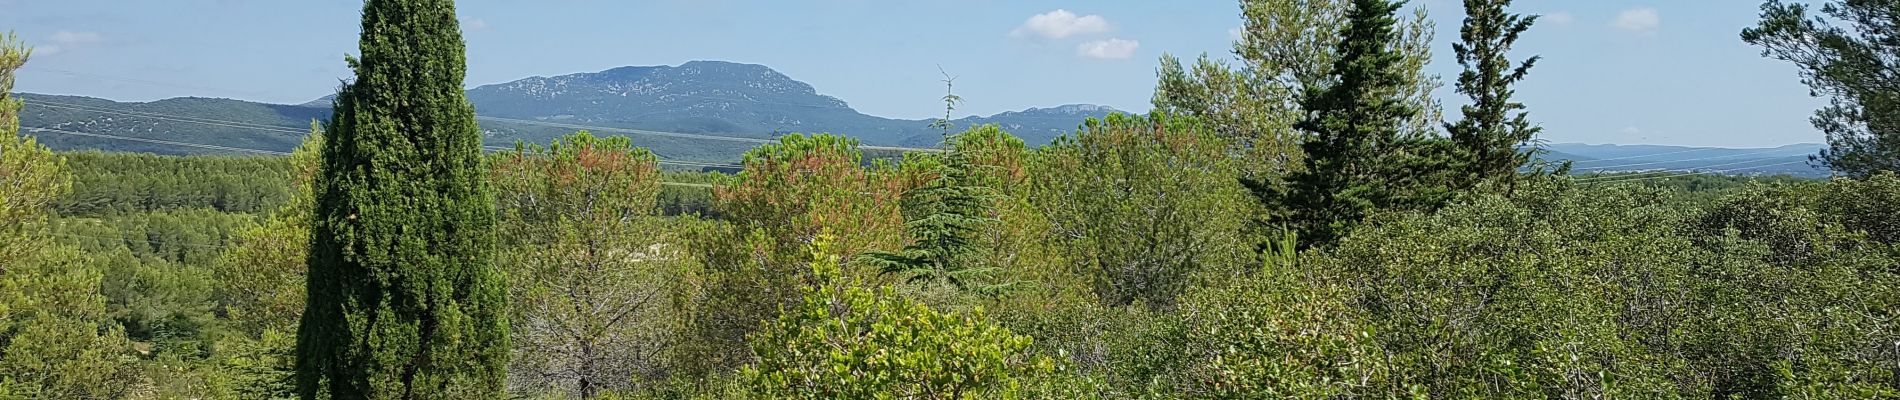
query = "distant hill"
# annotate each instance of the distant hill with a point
(713, 98)
(700, 97)
(1784, 160)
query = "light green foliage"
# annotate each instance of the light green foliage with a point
(1622, 292)
(1287, 51)
(1146, 205)
(1847, 52)
(1550, 295)
(1807, 306)
(404, 300)
(849, 342)
(260, 288)
(754, 261)
(56, 340)
(1866, 205)
(261, 274)
(31, 177)
(1282, 335)
(591, 267)
(158, 278)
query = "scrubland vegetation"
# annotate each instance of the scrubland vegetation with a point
(1299, 225)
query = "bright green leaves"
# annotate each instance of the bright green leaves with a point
(847, 342)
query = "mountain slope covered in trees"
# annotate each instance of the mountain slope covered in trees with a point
(712, 98)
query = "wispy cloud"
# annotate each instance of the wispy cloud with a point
(71, 38)
(1236, 33)
(474, 24)
(1061, 24)
(1558, 18)
(1108, 49)
(67, 41)
(1639, 20)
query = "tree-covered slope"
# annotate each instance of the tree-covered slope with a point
(710, 98)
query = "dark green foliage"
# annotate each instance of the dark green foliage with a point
(1359, 159)
(1848, 52)
(404, 301)
(1490, 138)
(687, 196)
(108, 183)
(942, 219)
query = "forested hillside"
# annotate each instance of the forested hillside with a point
(1307, 223)
(722, 108)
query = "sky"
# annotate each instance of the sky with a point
(1614, 71)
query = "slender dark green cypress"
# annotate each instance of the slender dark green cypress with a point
(1358, 159)
(1490, 138)
(404, 302)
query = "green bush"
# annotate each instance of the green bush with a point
(848, 342)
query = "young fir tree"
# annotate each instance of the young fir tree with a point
(942, 217)
(404, 302)
(1358, 157)
(1490, 138)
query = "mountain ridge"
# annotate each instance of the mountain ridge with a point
(746, 101)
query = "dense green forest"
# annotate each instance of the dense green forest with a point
(1303, 224)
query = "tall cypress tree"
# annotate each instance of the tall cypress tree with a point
(404, 302)
(1489, 137)
(1357, 155)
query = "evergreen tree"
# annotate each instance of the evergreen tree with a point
(1489, 138)
(1856, 64)
(589, 266)
(1358, 156)
(56, 341)
(404, 302)
(942, 219)
(31, 176)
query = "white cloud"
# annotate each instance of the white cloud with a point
(46, 49)
(1639, 20)
(1558, 18)
(1236, 33)
(77, 38)
(1061, 24)
(1110, 49)
(474, 24)
(1632, 131)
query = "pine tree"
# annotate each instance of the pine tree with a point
(404, 302)
(1849, 52)
(1358, 154)
(1489, 138)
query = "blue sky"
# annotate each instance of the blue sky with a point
(1615, 71)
